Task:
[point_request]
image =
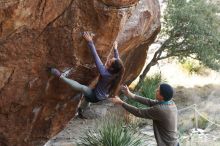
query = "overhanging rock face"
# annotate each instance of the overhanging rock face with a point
(34, 34)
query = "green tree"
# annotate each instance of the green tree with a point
(190, 28)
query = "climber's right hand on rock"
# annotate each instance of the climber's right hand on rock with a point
(87, 36)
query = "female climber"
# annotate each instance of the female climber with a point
(109, 81)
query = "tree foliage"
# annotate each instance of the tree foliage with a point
(191, 28)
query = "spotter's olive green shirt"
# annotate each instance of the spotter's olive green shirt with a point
(164, 116)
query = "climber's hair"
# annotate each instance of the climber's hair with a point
(117, 70)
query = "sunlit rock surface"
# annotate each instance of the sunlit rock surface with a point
(34, 34)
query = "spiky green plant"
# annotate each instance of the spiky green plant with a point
(111, 133)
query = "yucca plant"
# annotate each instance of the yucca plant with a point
(111, 133)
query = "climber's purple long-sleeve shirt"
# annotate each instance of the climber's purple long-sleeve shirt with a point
(102, 88)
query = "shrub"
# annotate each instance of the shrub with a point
(147, 89)
(192, 66)
(112, 132)
(202, 122)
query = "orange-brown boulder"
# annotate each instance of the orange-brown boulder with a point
(34, 34)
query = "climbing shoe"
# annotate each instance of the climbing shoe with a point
(54, 71)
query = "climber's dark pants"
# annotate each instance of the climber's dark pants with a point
(87, 91)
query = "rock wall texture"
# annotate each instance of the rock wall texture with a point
(34, 34)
